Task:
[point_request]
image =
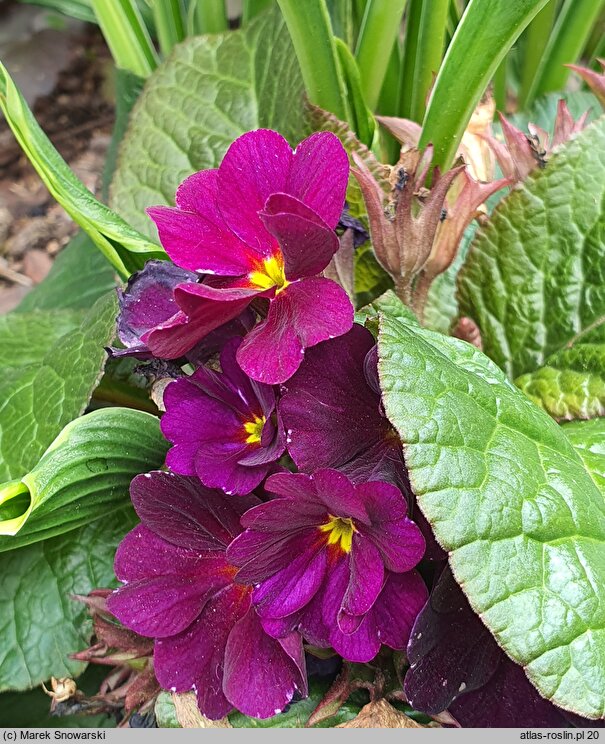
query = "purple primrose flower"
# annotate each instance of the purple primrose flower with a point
(179, 589)
(148, 307)
(261, 226)
(333, 560)
(223, 426)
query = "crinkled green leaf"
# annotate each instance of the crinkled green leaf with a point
(39, 623)
(588, 437)
(208, 92)
(543, 110)
(78, 277)
(535, 276)
(165, 711)
(571, 385)
(83, 475)
(27, 338)
(511, 500)
(38, 400)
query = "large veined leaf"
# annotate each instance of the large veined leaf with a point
(588, 437)
(78, 277)
(571, 384)
(534, 280)
(83, 475)
(37, 400)
(511, 500)
(39, 623)
(208, 92)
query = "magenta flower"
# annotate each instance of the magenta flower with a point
(262, 225)
(333, 560)
(179, 589)
(333, 415)
(223, 426)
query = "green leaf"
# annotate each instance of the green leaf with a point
(588, 437)
(83, 475)
(371, 280)
(484, 35)
(27, 338)
(125, 248)
(534, 280)
(510, 499)
(165, 711)
(78, 277)
(39, 623)
(543, 110)
(38, 400)
(230, 83)
(571, 385)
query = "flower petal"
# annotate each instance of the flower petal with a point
(319, 175)
(366, 579)
(193, 242)
(163, 606)
(255, 166)
(142, 554)
(339, 495)
(148, 301)
(293, 586)
(198, 316)
(306, 242)
(261, 674)
(304, 314)
(330, 413)
(195, 658)
(185, 513)
(396, 609)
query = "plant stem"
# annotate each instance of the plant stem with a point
(169, 25)
(536, 39)
(210, 16)
(126, 36)
(569, 36)
(428, 21)
(379, 30)
(311, 33)
(252, 8)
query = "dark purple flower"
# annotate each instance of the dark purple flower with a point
(148, 307)
(223, 426)
(333, 415)
(179, 589)
(263, 226)
(334, 560)
(456, 665)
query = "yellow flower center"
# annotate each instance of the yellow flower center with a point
(254, 429)
(340, 532)
(270, 274)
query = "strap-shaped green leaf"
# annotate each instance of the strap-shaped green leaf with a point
(82, 476)
(124, 247)
(511, 500)
(484, 35)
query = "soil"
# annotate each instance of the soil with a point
(72, 102)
